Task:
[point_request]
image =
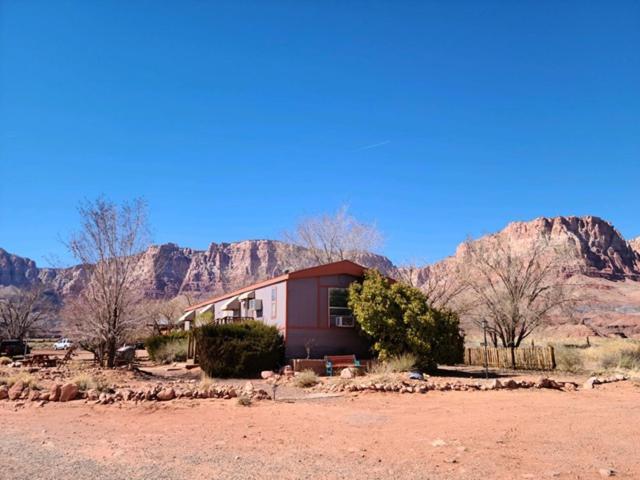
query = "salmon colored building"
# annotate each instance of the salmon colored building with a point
(309, 307)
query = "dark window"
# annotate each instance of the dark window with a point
(339, 311)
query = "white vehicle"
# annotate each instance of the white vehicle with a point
(62, 344)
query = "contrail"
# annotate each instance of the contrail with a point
(367, 147)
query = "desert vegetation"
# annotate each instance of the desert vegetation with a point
(333, 237)
(111, 240)
(22, 311)
(239, 349)
(306, 379)
(399, 320)
(168, 348)
(516, 290)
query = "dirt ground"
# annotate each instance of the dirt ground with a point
(441, 435)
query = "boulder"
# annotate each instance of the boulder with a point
(248, 388)
(16, 390)
(591, 381)
(4, 392)
(34, 395)
(494, 384)
(166, 394)
(54, 392)
(347, 373)
(266, 374)
(68, 392)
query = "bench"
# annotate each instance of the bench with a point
(340, 361)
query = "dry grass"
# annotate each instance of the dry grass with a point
(5, 361)
(398, 364)
(172, 352)
(569, 359)
(603, 354)
(85, 382)
(306, 379)
(206, 381)
(28, 379)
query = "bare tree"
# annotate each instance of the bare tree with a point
(516, 289)
(442, 284)
(23, 311)
(165, 312)
(109, 243)
(331, 238)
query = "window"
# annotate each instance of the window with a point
(339, 312)
(255, 305)
(274, 301)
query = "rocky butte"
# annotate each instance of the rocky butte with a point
(608, 265)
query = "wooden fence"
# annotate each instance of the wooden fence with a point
(529, 358)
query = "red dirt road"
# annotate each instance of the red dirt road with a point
(441, 435)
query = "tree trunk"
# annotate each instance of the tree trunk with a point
(513, 357)
(111, 353)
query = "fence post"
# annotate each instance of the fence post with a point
(553, 358)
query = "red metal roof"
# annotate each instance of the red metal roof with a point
(343, 267)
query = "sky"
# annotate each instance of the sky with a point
(435, 120)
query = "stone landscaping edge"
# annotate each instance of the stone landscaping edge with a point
(69, 391)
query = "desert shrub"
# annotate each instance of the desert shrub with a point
(568, 359)
(244, 401)
(157, 344)
(630, 359)
(399, 320)
(239, 349)
(85, 382)
(175, 351)
(5, 361)
(305, 379)
(28, 379)
(610, 359)
(206, 381)
(401, 363)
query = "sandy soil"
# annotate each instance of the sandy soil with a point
(441, 435)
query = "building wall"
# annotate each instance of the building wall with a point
(264, 294)
(308, 320)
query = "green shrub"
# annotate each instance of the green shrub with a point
(239, 349)
(305, 379)
(157, 344)
(399, 319)
(569, 359)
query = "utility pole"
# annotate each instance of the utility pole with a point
(486, 353)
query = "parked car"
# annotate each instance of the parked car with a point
(63, 344)
(13, 348)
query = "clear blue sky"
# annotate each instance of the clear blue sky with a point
(437, 120)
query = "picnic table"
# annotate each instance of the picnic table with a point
(40, 360)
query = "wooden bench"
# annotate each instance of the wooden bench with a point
(340, 361)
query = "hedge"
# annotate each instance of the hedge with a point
(157, 343)
(239, 349)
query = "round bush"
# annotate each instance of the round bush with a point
(239, 349)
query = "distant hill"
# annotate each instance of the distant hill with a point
(608, 264)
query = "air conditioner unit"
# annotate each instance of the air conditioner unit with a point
(255, 304)
(345, 322)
